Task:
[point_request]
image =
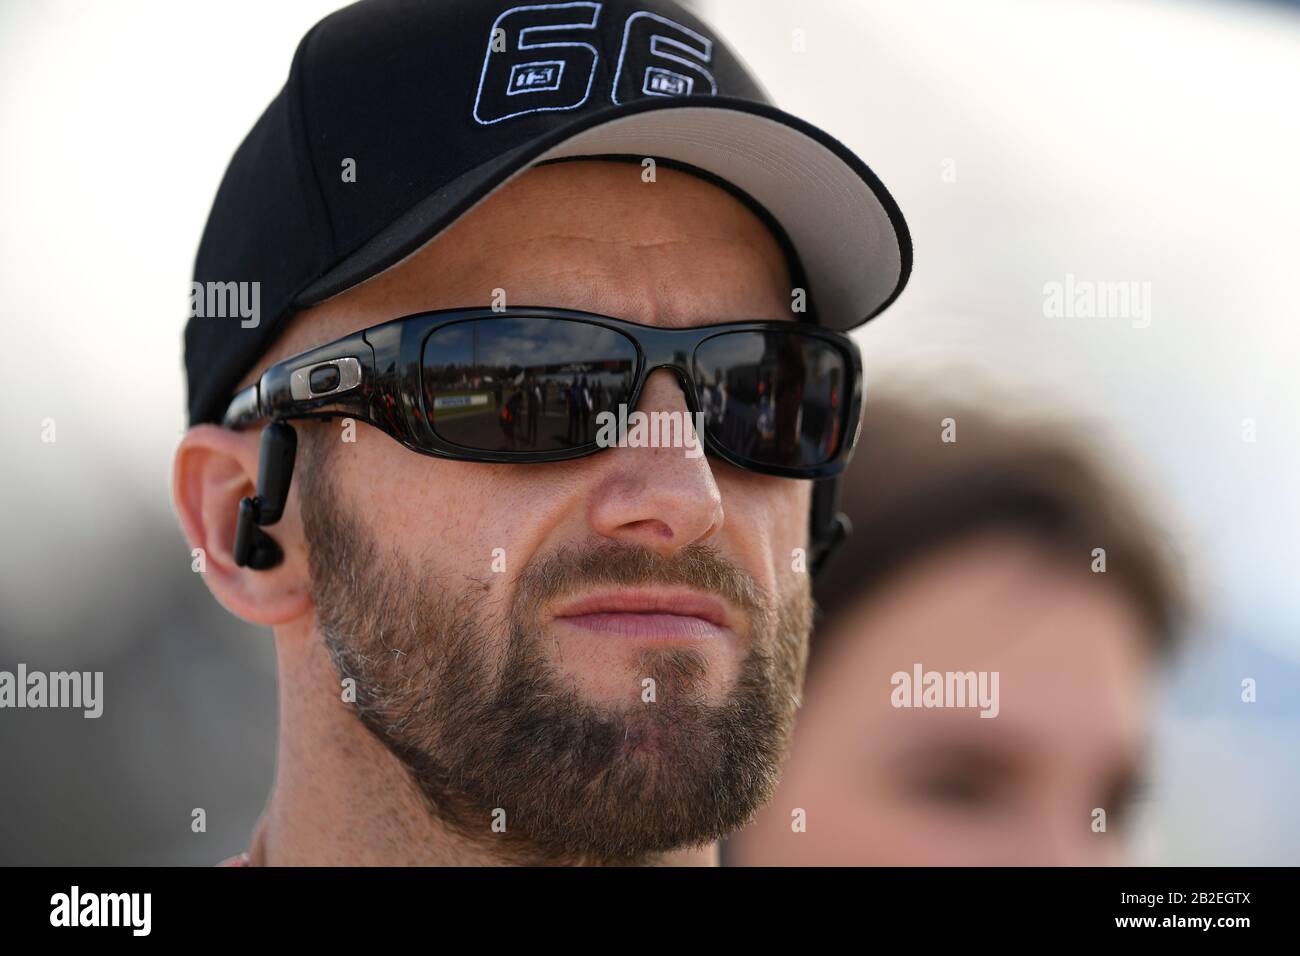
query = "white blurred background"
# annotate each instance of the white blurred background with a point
(1154, 141)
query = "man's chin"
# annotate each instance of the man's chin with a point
(627, 677)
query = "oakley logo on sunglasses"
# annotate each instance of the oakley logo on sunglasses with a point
(324, 378)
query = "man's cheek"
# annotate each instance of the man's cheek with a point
(795, 514)
(771, 516)
(489, 537)
(444, 510)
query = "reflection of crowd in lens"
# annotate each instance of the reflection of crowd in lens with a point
(764, 397)
(578, 399)
(581, 397)
(488, 383)
(521, 413)
(785, 406)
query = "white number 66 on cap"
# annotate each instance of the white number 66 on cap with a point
(523, 72)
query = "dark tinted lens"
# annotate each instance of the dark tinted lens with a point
(775, 397)
(524, 384)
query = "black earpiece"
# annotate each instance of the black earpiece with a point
(830, 538)
(254, 548)
(829, 526)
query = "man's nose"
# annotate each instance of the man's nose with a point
(661, 498)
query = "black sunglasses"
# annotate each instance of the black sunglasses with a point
(530, 384)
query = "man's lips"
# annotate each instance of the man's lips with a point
(650, 614)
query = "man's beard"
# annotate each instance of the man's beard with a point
(510, 755)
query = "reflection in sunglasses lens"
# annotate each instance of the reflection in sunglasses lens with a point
(772, 397)
(524, 384)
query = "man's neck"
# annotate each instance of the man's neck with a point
(341, 798)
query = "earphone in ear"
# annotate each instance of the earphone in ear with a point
(254, 548)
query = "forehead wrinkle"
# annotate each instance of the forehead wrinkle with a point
(671, 301)
(592, 253)
(680, 290)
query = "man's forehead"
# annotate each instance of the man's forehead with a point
(588, 235)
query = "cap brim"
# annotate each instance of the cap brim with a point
(847, 230)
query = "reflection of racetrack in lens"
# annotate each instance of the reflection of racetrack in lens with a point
(481, 428)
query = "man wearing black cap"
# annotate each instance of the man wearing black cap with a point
(501, 643)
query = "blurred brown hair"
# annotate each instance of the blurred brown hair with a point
(908, 494)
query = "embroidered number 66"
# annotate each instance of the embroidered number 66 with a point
(526, 70)
(532, 73)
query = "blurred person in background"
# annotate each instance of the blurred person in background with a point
(977, 547)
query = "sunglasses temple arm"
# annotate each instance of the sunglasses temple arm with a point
(245, 409)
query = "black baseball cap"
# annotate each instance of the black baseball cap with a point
(433, 104)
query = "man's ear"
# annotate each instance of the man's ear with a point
(214, 468)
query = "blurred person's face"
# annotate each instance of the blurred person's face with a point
(503, 623)
(886, 785)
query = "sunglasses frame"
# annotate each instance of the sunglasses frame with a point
(380, 378)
